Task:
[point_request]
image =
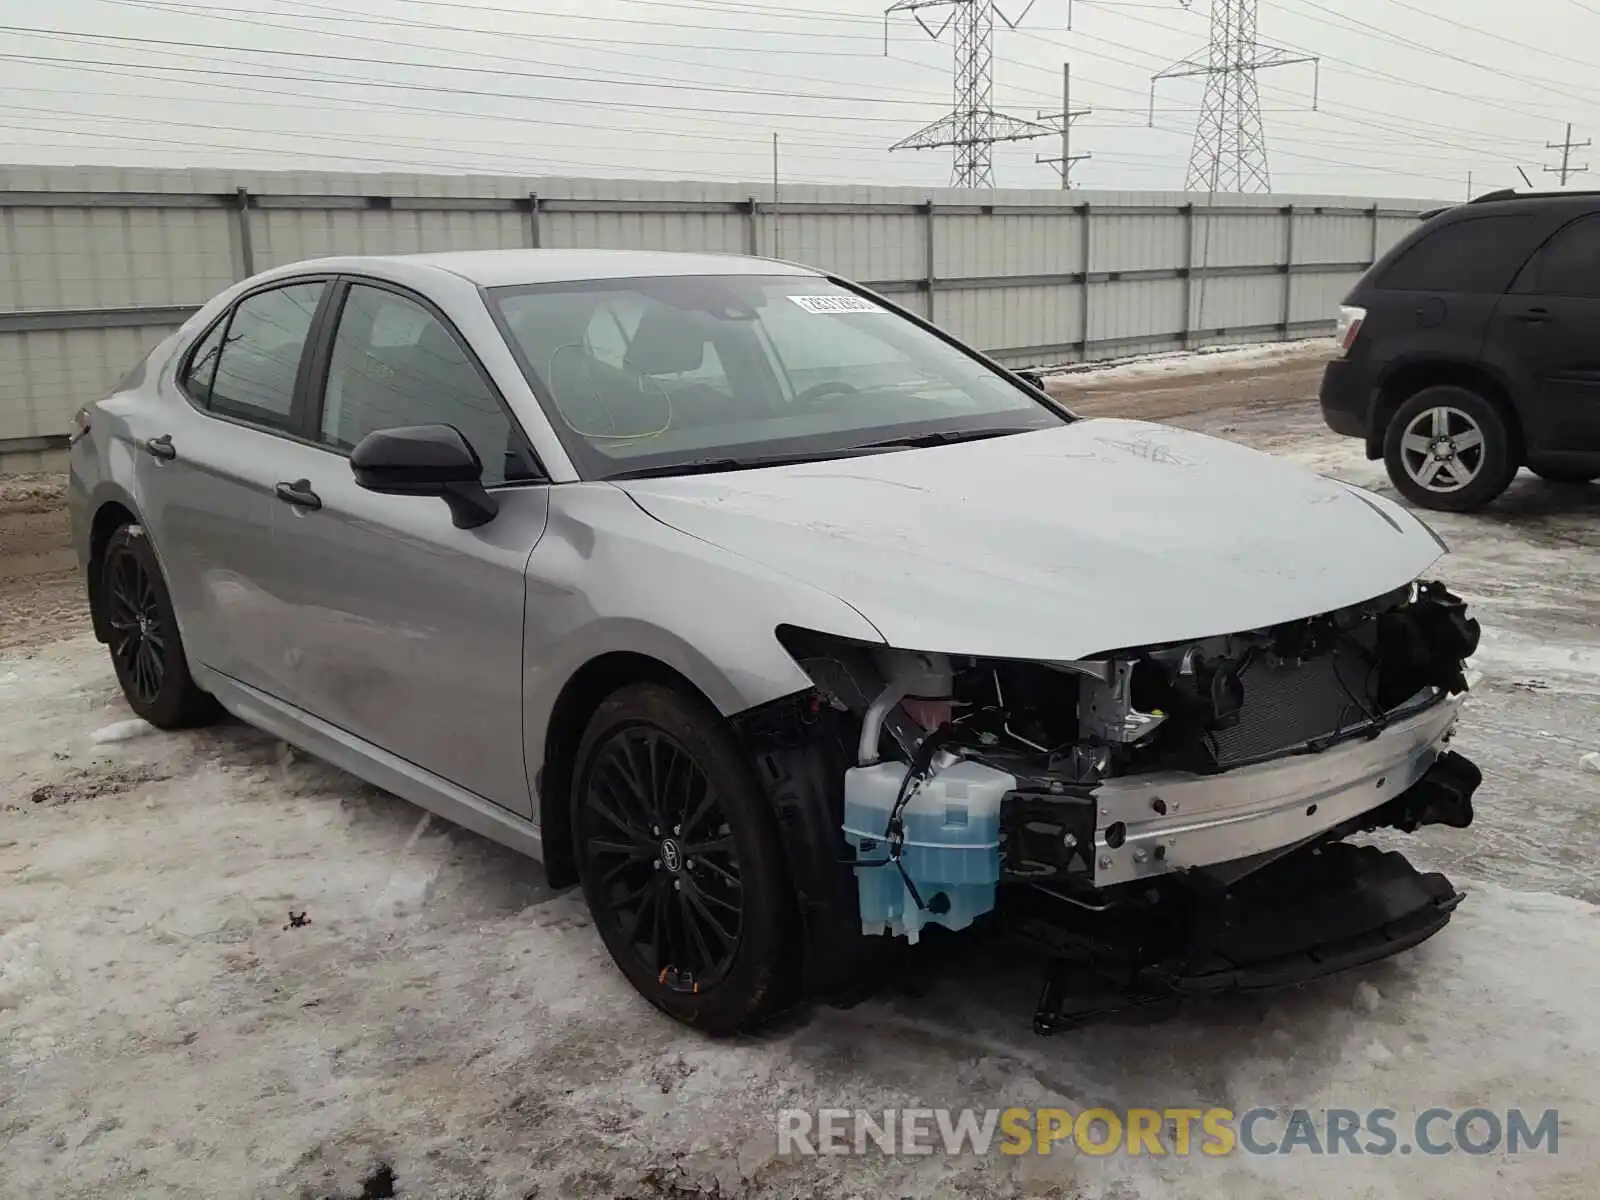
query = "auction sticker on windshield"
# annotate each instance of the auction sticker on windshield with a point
(835, 304)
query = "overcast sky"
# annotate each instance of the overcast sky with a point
(1413, 94)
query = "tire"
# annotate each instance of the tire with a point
(1567, 474)
(688, 847)
(146, 649)
(1449, 449)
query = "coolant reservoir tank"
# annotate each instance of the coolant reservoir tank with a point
(951, 850)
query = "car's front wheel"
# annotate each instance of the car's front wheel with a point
(1449, 448)
(679, 858)
(146, 650)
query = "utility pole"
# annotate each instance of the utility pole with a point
(1230, 148)
(1066, 117)
(972, 127)
(1567, 146)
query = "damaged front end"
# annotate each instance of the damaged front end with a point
(1163, 818)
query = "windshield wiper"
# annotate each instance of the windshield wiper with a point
(948, 437)
(710, 466)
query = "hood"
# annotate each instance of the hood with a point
(1060, 544)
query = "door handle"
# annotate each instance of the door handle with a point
(299, 494)
(1534, 316)
(161, 447)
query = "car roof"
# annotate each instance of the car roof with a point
(508, 268)
(1509, 200)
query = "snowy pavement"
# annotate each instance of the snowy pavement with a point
(227, 970)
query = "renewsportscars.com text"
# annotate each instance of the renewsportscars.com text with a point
(1212, 1132)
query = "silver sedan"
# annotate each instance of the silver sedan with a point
(772, 614)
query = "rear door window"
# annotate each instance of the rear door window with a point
(1472, 256)
(202, 368)
(1569, 263)
(255, 374)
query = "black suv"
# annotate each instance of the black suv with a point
(1472, 348)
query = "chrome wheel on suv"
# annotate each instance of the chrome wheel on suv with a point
(1442, 449)
(1450, 448)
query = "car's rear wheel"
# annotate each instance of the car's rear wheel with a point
(1449, 448)
(1567, 474)
(679, 858)
(146, 649)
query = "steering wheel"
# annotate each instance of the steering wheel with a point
(819, 391)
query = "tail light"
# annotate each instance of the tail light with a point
(1349, 327)
(80, 426)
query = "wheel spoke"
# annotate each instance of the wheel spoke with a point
(633, 793)
(1415, 443)
(708, 960)
(1429, 469)
(636, 851)
(674, 938)
(721, 845)
(141, 677)
(1441, 422)
(1469, 440)
(649, 899)
(703, 809)
(152, 668)
(698, 907)
(598, 806)
(710, 897)
(728, 879)
(674, 785)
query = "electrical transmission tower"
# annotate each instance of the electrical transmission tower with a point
(1230, 149)
(1567, 146)
(972, 127)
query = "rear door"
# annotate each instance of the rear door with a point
(1436, 300)
(206, 467)
(1547, 333)
(392, 624)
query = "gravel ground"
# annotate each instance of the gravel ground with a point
(438, 1023)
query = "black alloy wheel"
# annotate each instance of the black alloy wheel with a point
(141, 629)
(138, 638)
(661, 851)
(679, 857)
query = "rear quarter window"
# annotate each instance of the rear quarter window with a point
(1475, 255)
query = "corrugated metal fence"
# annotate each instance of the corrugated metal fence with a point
(96, 264)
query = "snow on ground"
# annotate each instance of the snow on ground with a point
(227, 970)
(1191, 362)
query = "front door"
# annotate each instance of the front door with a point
(400, 628)
(1548, 326)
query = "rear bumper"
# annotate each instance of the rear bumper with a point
(1344, 397)
(1151, 825)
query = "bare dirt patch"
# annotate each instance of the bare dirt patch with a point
(40, 593)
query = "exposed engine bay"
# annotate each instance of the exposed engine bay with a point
(1119, 809)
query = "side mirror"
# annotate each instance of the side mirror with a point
(425, 460)
(1032, 378)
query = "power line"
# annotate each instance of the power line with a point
(618, 78)
(1353, 24)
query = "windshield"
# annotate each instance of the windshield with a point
(642, 375)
